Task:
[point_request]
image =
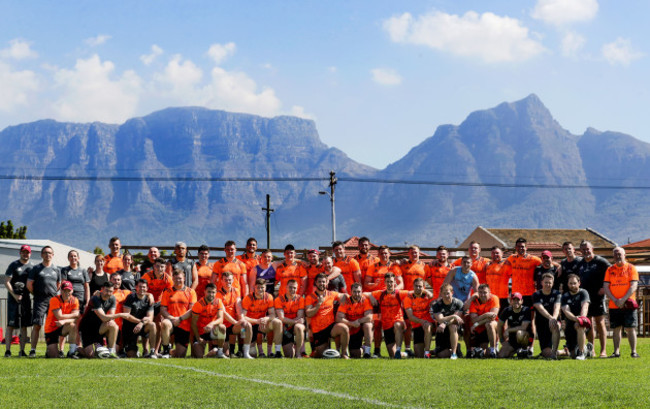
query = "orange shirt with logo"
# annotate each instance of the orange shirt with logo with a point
(390, 306)
(377, 271)
(288, 306)
(285, 272)
(57, 303)
(497, 276)
(522, 271)
(365, 260)
(348, 266)
(325, 315)
(250, 262)
(257, 308)
(113, 264)
(156, 286)
(437, 274)
(479, 308)
(312, 272)
(229, 300)
(419, 306)
(178, 302)
(236, 267)
(353, 311)
(204, 273)
(120, 296)
(411, 271)
(207, 312)
(620, 279)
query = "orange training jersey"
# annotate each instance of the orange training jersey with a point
(377, 271)
(229, 299)
(325, 315)
(250, 262)
(348, 266)
(120, 296)
(411, 271)
(57, 303)
(113, 264)
(178, 302)
(312, 272)
(478, 267)
(419, 306)
(289, 307)
(437, 274)
(205, 276)
(365, 260)
(236, 267)
(353, 311)
(619, 279)
(257, 308)
(390, 306)
(285, 272)
(522, 273)
(497, 276)
(479, 309)
(157, 285)
(207, 312)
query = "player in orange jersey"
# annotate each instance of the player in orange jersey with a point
(176, 308)
(290, 311)
(356, 313)
(479, 264)
(364, 258)
(234, 265)
(392, 318)
(483, 313)
(349, 266)
(313, 268)
(235, 323)
(207, 324)
(412, 269)
(621, 280)
(497, 277)
(113, 261)
(319, 307)
(248, 257)
(202, 271)
(290, 269)
(438, 270)
(60, 322)
(258, 309)
(416, 305)
(522, 269)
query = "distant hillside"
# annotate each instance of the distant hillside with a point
(514, 143)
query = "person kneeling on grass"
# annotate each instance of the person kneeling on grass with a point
(547, 311)
(176, 308)
(290, 311)
(447, 312)
(207, 324)
(139, 306)
(483, 312)
(356, 313)
(319, 307)
(575, 305)
(258, 309)
(61, 317)
(416, 305)
(514, 328)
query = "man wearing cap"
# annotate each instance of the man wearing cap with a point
(61, 318)
(547, 266)
(621, 281)
(514, 327)
(592, 271)
(43, 281)
(575, 304)
(19, 303)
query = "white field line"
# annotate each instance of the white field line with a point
(280, 384)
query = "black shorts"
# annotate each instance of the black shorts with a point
(207, 337)
(39, 310)
(129, 339)
(288, 336)
(156, 309)
(254, 332)
(356, 340)
(479, 338)
(512, 340)
(52, 338)
(89, 329)
(597, 306)
(181, 337)
(544, 334)
(389, 336)
(16, 318)
(442, 339)
(229, 331)
(418, 335)
(570, 334)
(323, 337)
(623, 318)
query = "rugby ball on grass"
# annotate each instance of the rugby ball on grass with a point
(102, 352)
(331, 354)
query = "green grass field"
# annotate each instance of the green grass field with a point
(267, 383)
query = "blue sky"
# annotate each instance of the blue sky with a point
(377, 77)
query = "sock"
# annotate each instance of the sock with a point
(278, 348)
(219, 350)
(366, 349)
(73, 348)
(398, 349)
(268, 349)
(112, 350)
(232, 348)
(377, 351)
(246, 348)
(152, 352)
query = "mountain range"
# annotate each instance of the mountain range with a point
(201, 176)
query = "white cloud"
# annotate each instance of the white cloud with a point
(386, 76)
(18, 50)
(487, 36)
(147, 59)
(16, 87)
(180, 79)
(98, 40)
(620, 52)
(89, 92)
(219, 52)
(572, 43)
(559, 12)
(299, 111)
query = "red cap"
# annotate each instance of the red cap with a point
(25, 247)
(313, 251)
(517, 296)
(66, 285)
(547, 254)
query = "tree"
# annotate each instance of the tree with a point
(98, 250)
(7, 231)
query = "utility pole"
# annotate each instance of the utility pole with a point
(332, 185)
(268, 211)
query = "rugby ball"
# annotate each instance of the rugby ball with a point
(331, 354)
(102, 352)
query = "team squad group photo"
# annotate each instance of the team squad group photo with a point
(324, 304)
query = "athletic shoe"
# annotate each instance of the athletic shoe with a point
(398, 354)
(22, 354)
(278, 354)
(74, 355)
(367, 356)
(635, 355)
(7, 354)
(32, 353)
(427, 355)
(113, 355)
(409, 353)
(580, 357)
(247, 356)
(615, 355)
(492, 353)
(261, 355)
(239, 354)
(122, 355)
(61, 354)
(152, 356)
(453, 357)
(220, 354)
(375, 356)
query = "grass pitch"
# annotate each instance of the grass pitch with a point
(267, 383)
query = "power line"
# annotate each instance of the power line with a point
(310, 179)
